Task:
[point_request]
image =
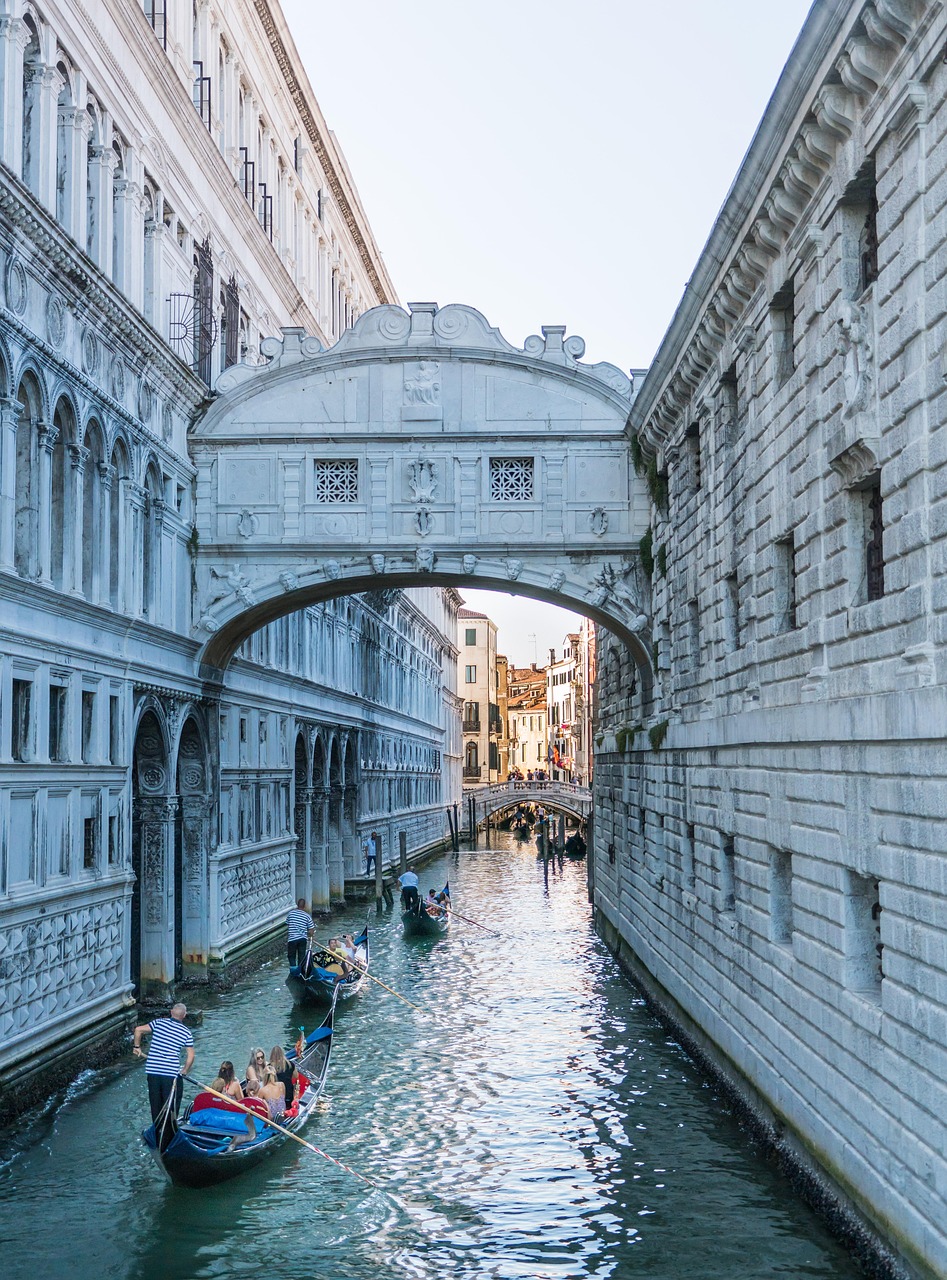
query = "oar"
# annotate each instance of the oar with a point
(287, 1132)
(358, 968)
(467, 919)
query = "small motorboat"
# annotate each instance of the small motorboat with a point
(423, 924)
(315, 984)
(196, 1151)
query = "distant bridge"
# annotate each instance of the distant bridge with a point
(561, 797)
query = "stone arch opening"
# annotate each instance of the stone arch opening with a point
(302, 803)
(319, 860)
(336, 857)
(27, 485)
(154, 817)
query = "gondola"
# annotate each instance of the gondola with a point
(198, 1153)
(418, 924)
(315, 985)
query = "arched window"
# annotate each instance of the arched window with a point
(118, 214)
(121, 470)
(149, 257)
(149, 549)
(60, 497)
(92, 510)
(472, 757)
(33, 70)
(65, 159)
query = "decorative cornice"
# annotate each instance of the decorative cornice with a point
(322, 151)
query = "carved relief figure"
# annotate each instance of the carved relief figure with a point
(598, 521)
(423, 386)
(513, 569)
(288, 580)
(377, 561)
(237, 583)
(470, 563)
(857, 355)
(423, 521)
(424, 559)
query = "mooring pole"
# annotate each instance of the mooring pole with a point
(403, 850)
(456, 829)
(379, 876)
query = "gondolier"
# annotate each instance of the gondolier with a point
(163, 1064)
(410, 898)
(299, 930)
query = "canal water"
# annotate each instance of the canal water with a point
(534, 1121)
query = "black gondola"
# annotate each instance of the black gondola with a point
(418, 924)
(314, 984)
(199, 1153)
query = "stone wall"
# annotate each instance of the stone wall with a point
(770, 829)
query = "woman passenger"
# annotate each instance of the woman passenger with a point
(230, 1082)
(285, 1073)
(255, 1071)
(273, 1093)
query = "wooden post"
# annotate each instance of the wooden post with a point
(456, 830)
(403, 850)
(379, 876)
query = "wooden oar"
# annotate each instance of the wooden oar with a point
(358, 969)
(467, 919)
(287, 1132)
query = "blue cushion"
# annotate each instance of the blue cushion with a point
(216, 1118)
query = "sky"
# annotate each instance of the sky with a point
(546, 161)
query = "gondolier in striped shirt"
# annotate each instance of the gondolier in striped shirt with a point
(163, 1064)
(299, 930)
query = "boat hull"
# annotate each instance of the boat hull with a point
(423, 926)
(318, 992)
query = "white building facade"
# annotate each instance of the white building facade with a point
(771, 827)
(169, 194)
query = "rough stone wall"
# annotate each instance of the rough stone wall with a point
(770, 830)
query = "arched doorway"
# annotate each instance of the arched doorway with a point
(154, 814)
(193, 837)
(302, 823)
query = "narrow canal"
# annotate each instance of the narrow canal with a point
(534, 1122)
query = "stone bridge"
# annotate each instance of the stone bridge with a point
(562, 797)
(422, 449)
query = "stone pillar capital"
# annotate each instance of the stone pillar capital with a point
(106, 475)
(79, 456)
(48, 435)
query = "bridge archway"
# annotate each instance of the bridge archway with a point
(421, 450)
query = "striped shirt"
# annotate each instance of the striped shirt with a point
(168, 1038)
(299, 924)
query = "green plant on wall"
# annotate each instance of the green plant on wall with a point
(637, 457)
(657, 485)
(647, 559)
(661, 559)
(656, 735)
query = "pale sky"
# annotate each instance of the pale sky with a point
(546, 161)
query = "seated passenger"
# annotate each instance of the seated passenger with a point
(273, 1093)
(285, 1073)
(431, 906)
(336, 965)
(231, 1085)
(348, 946)
(255, 1071)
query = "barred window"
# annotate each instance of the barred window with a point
(511, 479)
(336, 480)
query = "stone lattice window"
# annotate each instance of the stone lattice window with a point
(511, 479)
(336, 480)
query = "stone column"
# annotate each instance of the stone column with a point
(41, 88)
(9, 417)
(102, 573)
(14, 38)
(302, 822)
(335, 861)
(196, 814)
(133, 499)
(48, 435)
(320, 863)
(76, 126)
(154, 528)
(72, 522)
(126, 211)
(101, 164)
(156, 823)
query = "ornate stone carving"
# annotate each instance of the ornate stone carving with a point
(855, 463)
(146, 400)
(470, 563)
(423, 522)
(55, 319)
(248, 523)
(513, 569)
(18, 287)
(208, 623)
(612, 584)
(89, 352)
(117, 378)
(423, 480)
(238, 584)
(857, 355)
(424, 559)
(557, 580)
(598, 521)
(422, 384)
(289, 581)
(332, 569)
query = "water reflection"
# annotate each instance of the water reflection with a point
(532, 1121)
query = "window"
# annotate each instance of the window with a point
(729, 406)
(868, 245)
(692, 442)
(783, 318)
(728, 893)
(471, 635)
(156, 13)
(780, 897)
(472, 716)
(57, 722)
(90, 836)
(21, 745)
(336, 480)
(731, 612)
(689, 873)
(784, 568)
(115, 737)
(863, 945)
(511, 479)
(869, 520)
(114, 853)
(693, 635)
(470, 675)
(88, 725)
